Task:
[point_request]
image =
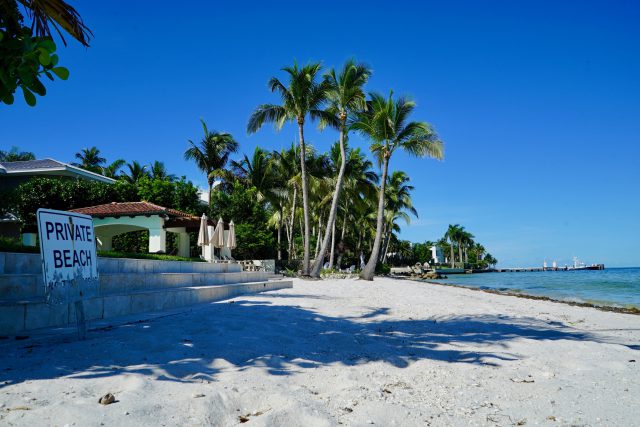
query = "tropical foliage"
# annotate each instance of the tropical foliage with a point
(15, 155)
(27, 50)
(212, 154)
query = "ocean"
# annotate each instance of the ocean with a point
(612, 286)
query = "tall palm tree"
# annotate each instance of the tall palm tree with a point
(111, 171)
(386, 124)
(136, 172)
(212, 154)
(90, 159)
(157, 170)
(15, 155)
(302, 97)
(345, 97)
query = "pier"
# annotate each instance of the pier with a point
(565, 268)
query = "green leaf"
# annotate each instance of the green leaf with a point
(61, 72)
(29, 96)
(8, 99)
(49, 45)
(54, 60)
(38, 87)
(44, 58)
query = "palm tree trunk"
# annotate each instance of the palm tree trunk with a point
(287, 231)
(344, 229)
(210, 188)
(333, 246)
(384, 239)
(370, 268)
(460, 251)
(344, 221)
(280, 235)
(452, 254)
(386, 247)
(293, 221)
(305, 199)
(319, 236)
(334, 208)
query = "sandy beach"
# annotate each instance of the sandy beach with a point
(336, 352)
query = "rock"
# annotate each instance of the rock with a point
(107, 399)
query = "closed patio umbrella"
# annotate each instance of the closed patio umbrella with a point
(218, 235)
(203, 234)
(231, 239)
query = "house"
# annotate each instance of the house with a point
(112, 219)
(436, 255)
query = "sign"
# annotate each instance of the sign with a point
(69, 260)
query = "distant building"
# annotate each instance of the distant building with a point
(436, 255)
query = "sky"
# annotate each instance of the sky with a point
(538, 103)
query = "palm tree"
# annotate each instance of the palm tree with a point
(90, 159)
(466, 239)
(136, 172)
(287, 170)
(453, 235)
(257, 171)
(157, 170)
(15, 155)
(345, 97)
(212, 154)
(111, 171)
(303, 97)
(385, 124)
(397, 201)
(359, 187)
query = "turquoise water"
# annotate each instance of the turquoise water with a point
(612, 286)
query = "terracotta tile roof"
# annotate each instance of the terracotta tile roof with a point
(132, 209)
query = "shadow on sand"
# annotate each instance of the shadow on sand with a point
(281, 339)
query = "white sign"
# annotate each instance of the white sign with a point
(68, 249)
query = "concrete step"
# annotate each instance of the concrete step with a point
(19, 317)
(21, 286)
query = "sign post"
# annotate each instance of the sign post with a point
(69, 260)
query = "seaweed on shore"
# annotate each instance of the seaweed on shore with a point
(615, 309)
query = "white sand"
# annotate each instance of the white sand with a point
(335, 352)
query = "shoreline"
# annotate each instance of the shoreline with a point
(607, 308)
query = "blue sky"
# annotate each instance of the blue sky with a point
(538, 103)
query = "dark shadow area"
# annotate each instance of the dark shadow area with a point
(281, 339)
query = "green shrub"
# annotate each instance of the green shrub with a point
(8, 244)
(134, 255)
(382, 268)
(255, 240)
